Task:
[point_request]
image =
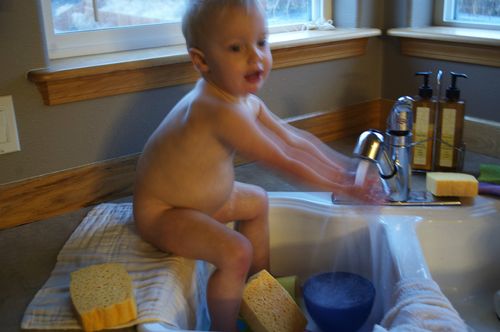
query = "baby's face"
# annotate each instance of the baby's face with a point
(237, 51)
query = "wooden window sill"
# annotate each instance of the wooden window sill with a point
(88, 77)
(451, 44)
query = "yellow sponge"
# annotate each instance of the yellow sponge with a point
(452, 184)
(103, 296)
(268, 307)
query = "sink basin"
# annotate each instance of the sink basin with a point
(309, 235)
(462, 250)
(458, 247)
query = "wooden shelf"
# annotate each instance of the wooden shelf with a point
(477, 46)
(451, 51)
(84, 78)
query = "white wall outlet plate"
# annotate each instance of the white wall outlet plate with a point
(9, 140)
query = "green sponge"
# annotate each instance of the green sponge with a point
(289, 283)
(489, 173)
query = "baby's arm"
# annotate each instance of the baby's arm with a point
(274, 143)
(339, 168)
(304, 141)
(243, 132)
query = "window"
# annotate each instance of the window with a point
(468, 13)
(82, 27)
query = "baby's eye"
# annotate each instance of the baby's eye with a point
(235, 48)
(262, 43)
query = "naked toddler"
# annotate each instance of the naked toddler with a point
(185, 191)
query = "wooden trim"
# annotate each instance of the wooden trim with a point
(59, 86)
(344, 122)
(301, 55)
(55, 90)
(451, 51)
(53, 194)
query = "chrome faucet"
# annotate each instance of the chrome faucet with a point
(391, 151)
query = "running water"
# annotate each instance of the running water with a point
(361, 172)
(317, 253)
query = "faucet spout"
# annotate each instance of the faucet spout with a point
(370, 147)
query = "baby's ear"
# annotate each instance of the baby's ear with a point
(198, 59)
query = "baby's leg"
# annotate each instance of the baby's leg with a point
(192, 234)
(248, 206)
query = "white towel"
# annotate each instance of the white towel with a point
(420, 306)
(168, 288)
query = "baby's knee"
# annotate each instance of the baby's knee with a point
(260, 199)
(239, 255)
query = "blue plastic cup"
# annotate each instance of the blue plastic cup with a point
(339, 301)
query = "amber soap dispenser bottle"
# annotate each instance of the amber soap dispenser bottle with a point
(449, 142)
(424, 110)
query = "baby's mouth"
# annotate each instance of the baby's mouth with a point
(254, 77)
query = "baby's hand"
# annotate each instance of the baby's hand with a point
(363, 185)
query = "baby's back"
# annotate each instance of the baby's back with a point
(183, 163)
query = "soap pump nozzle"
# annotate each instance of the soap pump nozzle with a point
(424, 91)
(453, 93)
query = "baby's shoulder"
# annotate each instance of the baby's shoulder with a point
(255, 102)
(206, 107)
(211, 109)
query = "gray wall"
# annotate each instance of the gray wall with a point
(358, 13)
(59, 137)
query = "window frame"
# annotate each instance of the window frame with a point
(82, 43)
(443, 6)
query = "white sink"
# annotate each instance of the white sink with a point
(462, 248)
(456, 246)
(309, 235)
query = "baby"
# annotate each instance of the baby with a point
(185, 191)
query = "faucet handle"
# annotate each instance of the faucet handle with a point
(400, 120)
(405, 100)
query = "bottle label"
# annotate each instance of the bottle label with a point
(447, 137)
(420, 135)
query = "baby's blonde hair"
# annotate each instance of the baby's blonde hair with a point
(200, 15)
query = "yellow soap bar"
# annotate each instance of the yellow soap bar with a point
(452, 184)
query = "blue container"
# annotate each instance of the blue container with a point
(339, 301)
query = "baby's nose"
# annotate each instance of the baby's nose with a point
(254, 55)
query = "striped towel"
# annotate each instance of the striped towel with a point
(168, 288)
